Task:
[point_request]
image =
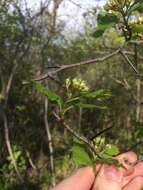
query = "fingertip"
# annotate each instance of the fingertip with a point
(130, 156)
(128, 160)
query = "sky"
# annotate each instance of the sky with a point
(70, 12)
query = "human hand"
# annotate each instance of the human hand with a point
(130, 177)
(108, 177)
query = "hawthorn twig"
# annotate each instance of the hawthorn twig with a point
(101, 132)
(64, 67)
(83, 139)
(88, 62)
(129, 62)
(75, 134)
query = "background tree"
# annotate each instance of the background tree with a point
(105, 59)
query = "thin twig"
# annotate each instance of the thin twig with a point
(133, 53)
(88, 62)
(129, 62)
(31, 161)
(101, 132)
(76, 4)
(75, 134)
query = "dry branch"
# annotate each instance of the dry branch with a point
(8, 144)
(88, 62)
(50, 145)
(129, 62)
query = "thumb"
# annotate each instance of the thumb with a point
(83, 179)
(108, 178)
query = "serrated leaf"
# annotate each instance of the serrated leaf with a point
(52, 96)
(91, 106)
(80, 156)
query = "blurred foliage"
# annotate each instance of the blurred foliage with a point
(90, 99)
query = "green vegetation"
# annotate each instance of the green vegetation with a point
(68, 101)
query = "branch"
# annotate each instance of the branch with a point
(9, 83)
(132, 53)
(76, 4)
(31, 161)
(49, 137)
(41, 11)
(88, 62)
(129, 62)
(8, 144)
(101, 132)
(136, 42)
(75, 134)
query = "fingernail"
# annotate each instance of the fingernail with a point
(112, 173)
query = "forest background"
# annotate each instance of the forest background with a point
(68, 98)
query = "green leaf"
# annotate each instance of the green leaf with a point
(139, 133)
(74, 101)
(105, 21)
(109, 161)
(99, 94)
(101, 29)
(91, 106)
(110, 150)
(107, 18)
(52, 96)
(137, 7)
(137, 28)
(80, 156)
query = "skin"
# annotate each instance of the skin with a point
(108, 177)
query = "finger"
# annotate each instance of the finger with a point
(108, 178)
(138, 171)
(135, 184)
(128, 160)
(83, 179)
